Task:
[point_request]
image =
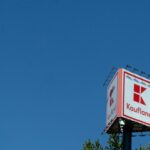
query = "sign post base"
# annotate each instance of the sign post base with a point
(127, 138)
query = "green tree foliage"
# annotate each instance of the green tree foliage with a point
(113, 143)
(144, 147)
(92, 146)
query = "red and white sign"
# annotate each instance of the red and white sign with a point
(128, 97)
(111, 110)
(136, 100)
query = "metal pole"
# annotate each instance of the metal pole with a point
(127, 138)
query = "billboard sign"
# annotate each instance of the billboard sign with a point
(111, 108)
(136, 98)
(128, 97)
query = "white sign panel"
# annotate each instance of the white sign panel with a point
(111, 108)
(136, 98)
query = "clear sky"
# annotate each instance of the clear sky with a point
(54, 58)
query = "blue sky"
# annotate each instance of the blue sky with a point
(54, 58)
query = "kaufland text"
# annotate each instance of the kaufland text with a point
(137, 110)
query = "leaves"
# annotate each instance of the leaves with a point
(145, 148)
(113, 143)
(92, 146)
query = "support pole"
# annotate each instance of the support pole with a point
(127, 138)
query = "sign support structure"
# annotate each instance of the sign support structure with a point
(127, 138)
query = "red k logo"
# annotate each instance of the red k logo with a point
(110, 95)
(138, 90)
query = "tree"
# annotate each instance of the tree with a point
(114, 143)
(144, 148)
(92, 146)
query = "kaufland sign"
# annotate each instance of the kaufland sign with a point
(112, 101)
(128, 96)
